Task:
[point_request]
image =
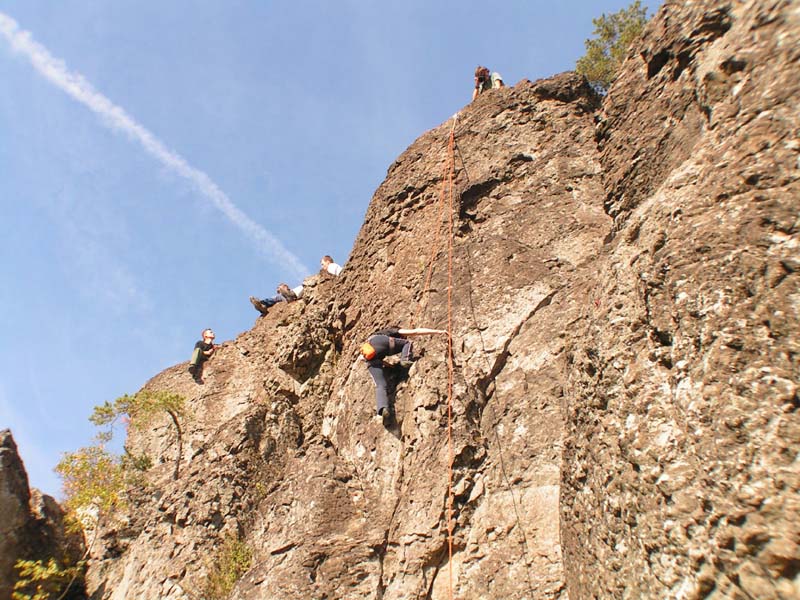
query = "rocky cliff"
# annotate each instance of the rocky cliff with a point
(681, 473)
(624, 317)
(31, 523)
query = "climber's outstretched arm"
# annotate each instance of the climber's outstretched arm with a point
(420, 331)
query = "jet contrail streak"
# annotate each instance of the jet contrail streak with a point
(115, 117)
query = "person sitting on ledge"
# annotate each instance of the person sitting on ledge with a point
(284, 294)
(202, 352)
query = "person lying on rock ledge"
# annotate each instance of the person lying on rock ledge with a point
(383, 343)
(327, 265)
(285, 294)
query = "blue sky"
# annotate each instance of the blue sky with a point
(207, 151)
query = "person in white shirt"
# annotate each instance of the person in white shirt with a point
(329, 266)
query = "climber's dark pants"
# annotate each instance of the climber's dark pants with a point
(381, 386)
(385, 346)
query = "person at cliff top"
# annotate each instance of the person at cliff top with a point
(328, 266)
(383, 343)
(284, 294)
(202, 352)
(484, 81)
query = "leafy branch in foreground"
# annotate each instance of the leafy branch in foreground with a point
(94, 482)
(44, 581)
(94, 479)
(606, 52)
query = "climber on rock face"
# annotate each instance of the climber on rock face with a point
(284, 294)
(485, 81)
(383, 343)
(202, 352)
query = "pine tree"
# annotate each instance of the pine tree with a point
(607, 50)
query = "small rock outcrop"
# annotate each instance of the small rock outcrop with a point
(622, 280)
(31, 523)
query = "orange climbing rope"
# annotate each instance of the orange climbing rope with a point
(448, 189)
(448, 176)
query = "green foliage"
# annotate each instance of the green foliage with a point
(107, 413)
(233, 561)
(133, 462)
(614, 35)
(96, 481)
(260, 490)
(93, 479)
(142, 408)
(40, 581)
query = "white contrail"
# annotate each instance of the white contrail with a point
(115, 117)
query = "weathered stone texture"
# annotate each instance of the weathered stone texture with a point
(682, 470)
(283, 446)
(14, 510)
(31, 523)
(624, 318)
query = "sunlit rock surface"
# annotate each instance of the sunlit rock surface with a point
(624, 326)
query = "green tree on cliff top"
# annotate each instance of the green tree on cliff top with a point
(607, 50)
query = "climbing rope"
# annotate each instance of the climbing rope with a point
(448, 176)
(450, 192)
(446, 201)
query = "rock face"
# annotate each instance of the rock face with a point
(624, 316)
(31, 523)
(681, 455)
